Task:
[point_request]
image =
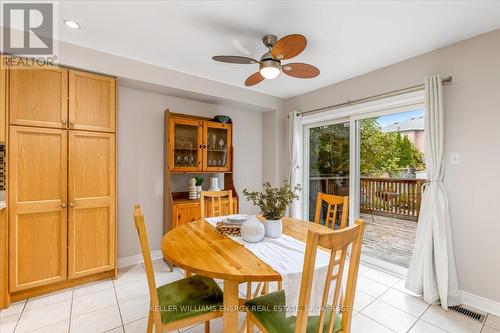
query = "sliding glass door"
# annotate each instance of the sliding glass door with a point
(377, 159)
(328, 163)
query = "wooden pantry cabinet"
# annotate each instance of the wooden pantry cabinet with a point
(61, 179)
(91, 197)
(91, 102)
(38, 96)
(38, 212)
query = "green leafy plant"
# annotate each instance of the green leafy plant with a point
(273, 201)
(199, 180)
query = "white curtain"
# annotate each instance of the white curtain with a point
(295, 151)
(432, 272)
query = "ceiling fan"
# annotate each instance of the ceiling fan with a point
(270, 65)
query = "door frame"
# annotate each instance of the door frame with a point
(354, 114)
(306, 150)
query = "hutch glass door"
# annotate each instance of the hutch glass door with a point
(218, 143)
(186, 142)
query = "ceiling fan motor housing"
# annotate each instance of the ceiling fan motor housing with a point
(270, 63)
(269, 40)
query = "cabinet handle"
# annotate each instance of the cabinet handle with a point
(71, 124)
(201, 146)
(63, 205)
(63, 121)
(71, 205)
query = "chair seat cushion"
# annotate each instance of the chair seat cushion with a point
(189, 297)
(270, 311)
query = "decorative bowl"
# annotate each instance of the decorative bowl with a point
(222, 119)
(237, 219)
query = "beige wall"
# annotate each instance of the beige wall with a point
(472, 118)
(140, 158)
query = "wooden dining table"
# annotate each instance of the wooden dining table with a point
(198, 248)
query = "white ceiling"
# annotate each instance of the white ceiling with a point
(345, 38)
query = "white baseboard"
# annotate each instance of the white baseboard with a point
(480, 303)
(137, 259)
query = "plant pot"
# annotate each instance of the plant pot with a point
(274, 228)
(252, 230)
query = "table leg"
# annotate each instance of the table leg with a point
(231, 301)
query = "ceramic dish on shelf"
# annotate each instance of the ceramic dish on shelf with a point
(222, 119)
(237, 219)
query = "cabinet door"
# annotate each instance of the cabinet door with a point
(186, 144)
(3, 99)
(186, 212)
(38, 96)
(217, 152)
(91, 208)
(37, 206)
(91, 102)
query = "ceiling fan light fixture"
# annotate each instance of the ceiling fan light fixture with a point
(269, 69)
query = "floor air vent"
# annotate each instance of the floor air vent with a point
(468, 312)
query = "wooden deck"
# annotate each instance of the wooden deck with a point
(389, 239)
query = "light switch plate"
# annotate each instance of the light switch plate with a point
(454, 158)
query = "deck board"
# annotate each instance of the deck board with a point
(389, 239)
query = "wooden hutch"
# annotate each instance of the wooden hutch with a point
(194, 146)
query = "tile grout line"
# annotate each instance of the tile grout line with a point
(71, 309)
(378, 299)
(118, 304)
(432, 324)
(420, 318)
(392, 288)
(20, 315)
(57, 322)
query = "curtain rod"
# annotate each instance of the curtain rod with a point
(446, 80)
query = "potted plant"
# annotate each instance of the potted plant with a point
(273, 202)
(199, 182)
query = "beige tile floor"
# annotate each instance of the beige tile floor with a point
(121, 306)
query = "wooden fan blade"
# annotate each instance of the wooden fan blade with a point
(300, 70)
(289, 46)
(254, 79)
(235, 59)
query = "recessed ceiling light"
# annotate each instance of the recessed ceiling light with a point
(72, 24)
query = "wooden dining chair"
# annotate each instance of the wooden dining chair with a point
(334, 317)
(178, 304)
(216, 203)
(333, 204)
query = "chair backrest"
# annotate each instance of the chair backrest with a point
(337, 242)
(216, 196)
(148, 263)
(333, 202)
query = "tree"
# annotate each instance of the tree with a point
(381, 152)
(329, 150)
(386, 152)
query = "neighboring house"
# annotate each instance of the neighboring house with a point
(413, 128)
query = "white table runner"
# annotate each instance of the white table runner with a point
(286, 256)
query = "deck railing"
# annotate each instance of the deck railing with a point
(392, 197)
